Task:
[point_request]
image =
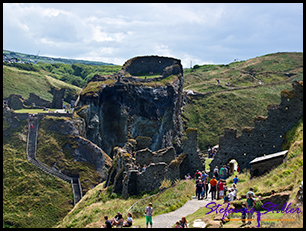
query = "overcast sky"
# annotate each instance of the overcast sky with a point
(215, 33)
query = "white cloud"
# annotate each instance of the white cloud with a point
(200, 32)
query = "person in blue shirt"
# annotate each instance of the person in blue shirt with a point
(203, 176)
(235, 180)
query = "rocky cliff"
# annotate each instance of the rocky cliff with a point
(122, 110)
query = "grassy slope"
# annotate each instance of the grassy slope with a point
(31, 198)
(225, 107)
(24, 82)
(89, 212)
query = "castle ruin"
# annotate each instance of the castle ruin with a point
(267, 135)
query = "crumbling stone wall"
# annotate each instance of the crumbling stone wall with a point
(38, 102)
(58, 97)
(15, 101)
(157, 64)
(165, 165)
(267, 135)
(34, 101)
(146, 156)
(190, 146)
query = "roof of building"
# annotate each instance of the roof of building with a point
(270, 156)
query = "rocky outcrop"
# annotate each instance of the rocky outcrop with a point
(122, 111)
(81, 149)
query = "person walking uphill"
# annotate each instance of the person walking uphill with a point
(149, 213)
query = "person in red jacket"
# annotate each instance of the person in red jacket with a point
(197, 174)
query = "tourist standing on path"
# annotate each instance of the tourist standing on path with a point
(221, 189)
(206, 187)
(213, 184)
(203, 176)
(200, 189)
(197, 174)
(216, 172)
(243, 214)
(149, 213)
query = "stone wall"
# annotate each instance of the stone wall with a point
(34, 101)
(38, 102)
(162, 164)
(190, 146)
(266, 136)
(157, 64)
(146, 156)
(152, 177)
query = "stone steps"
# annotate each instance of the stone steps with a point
(31, 156)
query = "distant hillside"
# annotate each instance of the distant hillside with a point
(253, 84)
(36, 58)
(24, 82)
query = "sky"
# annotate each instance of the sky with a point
(195, 33)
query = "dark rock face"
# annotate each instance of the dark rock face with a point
(268, 134)
(125, 111)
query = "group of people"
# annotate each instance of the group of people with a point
(211, 152)
(118, 221)
(224, 173)
(218, 187)
(138, 167)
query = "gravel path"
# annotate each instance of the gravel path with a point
(167, 220)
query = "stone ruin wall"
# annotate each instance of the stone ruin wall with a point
(166, 164)
(158, 64)
(267, 135)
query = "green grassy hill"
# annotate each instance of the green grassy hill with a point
(254, 84)
(24, 82)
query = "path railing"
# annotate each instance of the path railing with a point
(31, 156)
